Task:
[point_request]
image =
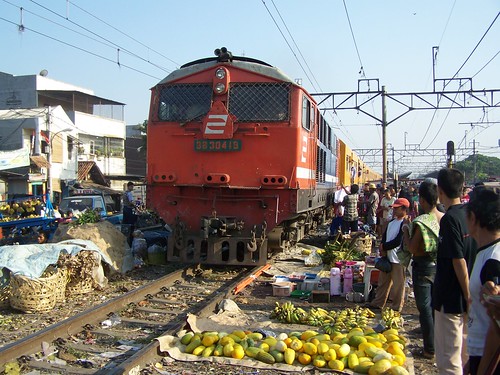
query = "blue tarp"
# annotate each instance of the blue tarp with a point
(32, 260)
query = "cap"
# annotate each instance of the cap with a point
(401, 202)
(372, 186)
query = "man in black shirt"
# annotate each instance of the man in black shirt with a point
(455, 257)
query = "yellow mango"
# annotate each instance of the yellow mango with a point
(335, 364)
(199, 350)
(289, 356)
(310, 348)
(304, 358)
(352, 361)
(319, 361)
(238, 352)
(331, 354)
(380, 367)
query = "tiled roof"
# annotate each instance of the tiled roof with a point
(89, 171)
(40, 161)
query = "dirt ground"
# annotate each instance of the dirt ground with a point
(254, 299)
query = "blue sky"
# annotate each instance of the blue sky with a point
(394, 41)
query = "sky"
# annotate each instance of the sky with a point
(328, 45)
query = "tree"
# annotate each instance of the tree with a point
(479, 167)
(143, 128)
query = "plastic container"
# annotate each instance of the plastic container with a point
(157, 254)
(335, 289)
(347, 280)
(283, 289)
(325, 283)
(310, 285)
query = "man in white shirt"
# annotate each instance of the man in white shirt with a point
(391, 242)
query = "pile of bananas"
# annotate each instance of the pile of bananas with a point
(330, 321)
(391, 318)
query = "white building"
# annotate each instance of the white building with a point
(43, 120)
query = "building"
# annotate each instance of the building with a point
(47, 127)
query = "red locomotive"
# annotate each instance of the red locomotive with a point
(240, 161)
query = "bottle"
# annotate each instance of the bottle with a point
(347, 280)
(335, 281)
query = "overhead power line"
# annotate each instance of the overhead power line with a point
(295, 44)
(80, 49)
(124, 33)
(288, 44)
(361, 69)
(119, 48)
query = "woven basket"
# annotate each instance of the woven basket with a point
(62, 281)
(4, 297)
(78, 287)
(33, 295)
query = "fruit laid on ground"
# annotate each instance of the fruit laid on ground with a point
(330, 321)
(391, 318)
(360, 350)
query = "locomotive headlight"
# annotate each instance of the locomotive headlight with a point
(220, 88)
(220, 73)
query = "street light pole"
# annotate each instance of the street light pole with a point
(49, 156)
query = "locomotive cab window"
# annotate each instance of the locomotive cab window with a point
(251, 102)
(184, 102)
(307, 113)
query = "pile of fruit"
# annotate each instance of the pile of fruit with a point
(391, 318)
(330, 321)
(19, 210)
(363, 351)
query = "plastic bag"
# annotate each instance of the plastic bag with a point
(140, 247)
(313, 259)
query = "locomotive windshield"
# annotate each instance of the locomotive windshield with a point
(184, 102)
(259, 101)
(249, 102)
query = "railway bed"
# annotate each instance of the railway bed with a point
(254, 299)
(124, 327)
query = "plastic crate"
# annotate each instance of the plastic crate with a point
(300, 294)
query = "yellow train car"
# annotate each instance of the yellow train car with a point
(351, 169)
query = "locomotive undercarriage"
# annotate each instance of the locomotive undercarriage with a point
(224, 240)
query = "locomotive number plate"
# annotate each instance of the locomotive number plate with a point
(217, 145)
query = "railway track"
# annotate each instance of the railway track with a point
(123, 328)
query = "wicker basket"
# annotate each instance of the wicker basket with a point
(33, 295)
(78, 287)
(4, 297)
(62, 281)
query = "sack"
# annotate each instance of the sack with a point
(383, 264)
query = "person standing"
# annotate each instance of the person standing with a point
(129, 216)
(385, 205)
(421, 239)
(454, 260)
(393, 281)
(483, 221)
(373, 202)
(350, 203)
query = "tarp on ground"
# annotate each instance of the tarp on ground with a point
(32, 260)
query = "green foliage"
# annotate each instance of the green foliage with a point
(340, 249)
(89, 216)
(486, 166)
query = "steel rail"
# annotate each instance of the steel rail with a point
(151, 353)
(73, 325)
